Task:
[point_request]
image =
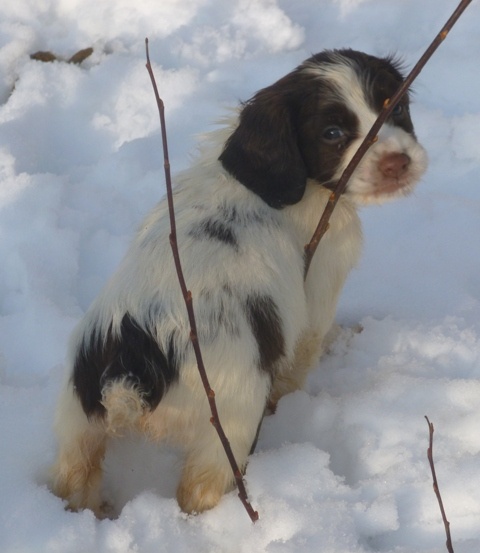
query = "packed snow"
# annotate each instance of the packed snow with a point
(342, 466)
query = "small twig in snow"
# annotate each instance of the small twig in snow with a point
(436, 489)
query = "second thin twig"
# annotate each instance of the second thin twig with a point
(215, 420)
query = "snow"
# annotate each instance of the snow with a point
(341, 467)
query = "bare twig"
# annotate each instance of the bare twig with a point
(371, 136)
(436, 489)
(187, 295)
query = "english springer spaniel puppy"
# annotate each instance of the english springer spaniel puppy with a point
(244, 211)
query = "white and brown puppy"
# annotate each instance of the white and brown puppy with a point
(245, 210)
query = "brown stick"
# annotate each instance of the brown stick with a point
(436, 489)
(371, 136)
(187, 295)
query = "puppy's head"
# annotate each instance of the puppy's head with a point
(309, 124)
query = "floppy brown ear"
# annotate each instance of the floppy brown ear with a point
(262, 153)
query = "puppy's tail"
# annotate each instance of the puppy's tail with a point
(121, 376)
(124, 406)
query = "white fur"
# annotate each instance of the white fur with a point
(267, 262)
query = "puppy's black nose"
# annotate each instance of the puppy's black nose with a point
(394, 165)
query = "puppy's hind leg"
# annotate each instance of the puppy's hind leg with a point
(207, 474)
(77, 473)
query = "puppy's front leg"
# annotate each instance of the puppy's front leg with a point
(293, 374)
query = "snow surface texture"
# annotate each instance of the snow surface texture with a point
(342, 466)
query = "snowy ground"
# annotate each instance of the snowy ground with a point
(342, 466)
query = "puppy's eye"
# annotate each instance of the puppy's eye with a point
(398, 110)
(333, 134)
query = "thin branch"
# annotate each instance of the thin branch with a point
(187, 295)
(436, 488)
(371, 136)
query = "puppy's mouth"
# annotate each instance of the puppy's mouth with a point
(392, 175)
(389, 186)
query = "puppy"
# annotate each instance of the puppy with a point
(244, 211)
